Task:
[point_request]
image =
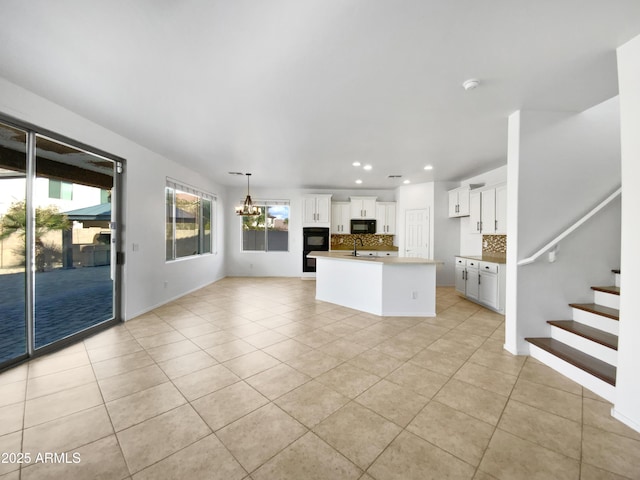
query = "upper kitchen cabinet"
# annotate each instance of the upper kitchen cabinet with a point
(340, 217)
(317, 210)
(488, 211)
(363, 207)
(386, 218)
(501, 210)
(459, 202)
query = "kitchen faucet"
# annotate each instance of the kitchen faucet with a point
(355, 245)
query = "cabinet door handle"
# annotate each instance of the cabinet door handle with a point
(477, 226)
(496, 226)
(479, 279)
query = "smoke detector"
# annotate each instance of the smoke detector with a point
(470, 84)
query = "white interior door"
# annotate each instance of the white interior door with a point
(417, 233)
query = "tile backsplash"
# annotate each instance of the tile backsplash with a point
(494, 244)
(376, 242)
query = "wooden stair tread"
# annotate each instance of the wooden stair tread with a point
(591, 365)
(611, 313)
(595, 335)
(613, 290)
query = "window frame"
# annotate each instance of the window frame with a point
(203, 248)
(266, 204)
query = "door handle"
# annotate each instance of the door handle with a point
(496, 225)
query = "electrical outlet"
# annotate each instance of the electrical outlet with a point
(414, 295)
(166, 283)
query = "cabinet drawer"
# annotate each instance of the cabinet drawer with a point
(461, 261)
(489, 267)
(472, 264)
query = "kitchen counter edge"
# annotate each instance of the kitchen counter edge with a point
(385, 260)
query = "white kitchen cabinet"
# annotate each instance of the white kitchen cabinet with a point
(459, 202)
(461, 279)
(488, 287)
(317, 210)
(501, 210)
(363, 207)
(475, 214)
(385, 253)
(340, 217)
(386, 218)
(482, 282)
(488, 211)
(473, 285)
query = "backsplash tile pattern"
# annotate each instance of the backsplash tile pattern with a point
(371, 242)
(494, 244)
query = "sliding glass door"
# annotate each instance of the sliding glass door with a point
(74, 279)
(58, 272)
(13, 167)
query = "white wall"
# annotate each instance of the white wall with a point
(145, 270)
(446, 234)
(566, 164)
(278, 264)
(627, 405)
(471, 243)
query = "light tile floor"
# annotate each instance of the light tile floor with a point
(254, 379)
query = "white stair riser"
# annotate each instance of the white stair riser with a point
(594, 349)
(606, 391)
(596, 321)
(616, 279)
(606, 299)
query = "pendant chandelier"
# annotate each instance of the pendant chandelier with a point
(247, 209)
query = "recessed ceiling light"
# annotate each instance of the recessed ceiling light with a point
(470, 84)
(428, 167)
(356, 164)
(358, 181)
(367, 167)
(406, 181)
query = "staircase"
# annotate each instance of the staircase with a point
(585, 349)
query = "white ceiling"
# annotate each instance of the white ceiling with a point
(294, 91)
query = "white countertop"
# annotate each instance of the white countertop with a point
(346, 255)
(486, 258)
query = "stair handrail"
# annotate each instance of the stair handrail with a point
(569, 230)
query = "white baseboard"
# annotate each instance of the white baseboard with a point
(626, 420)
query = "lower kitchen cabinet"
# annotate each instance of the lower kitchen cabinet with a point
(481, 282)
(461, 278)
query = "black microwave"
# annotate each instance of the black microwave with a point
(363, 226)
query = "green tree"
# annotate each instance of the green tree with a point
(47, 219)
(255, 222)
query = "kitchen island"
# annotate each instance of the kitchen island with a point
(386, 286)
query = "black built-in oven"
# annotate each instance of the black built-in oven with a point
(313, 239)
